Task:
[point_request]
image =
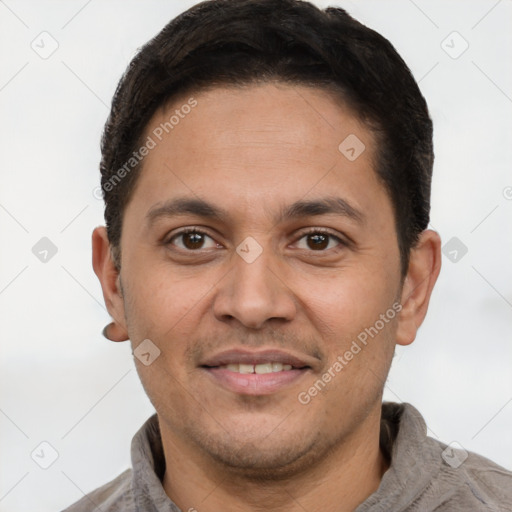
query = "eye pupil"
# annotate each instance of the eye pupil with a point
(319, 241)
(193, 240)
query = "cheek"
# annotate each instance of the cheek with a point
(161, 308)
(348, 301)
(162, 298)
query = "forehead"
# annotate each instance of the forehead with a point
(289, 116)
(257, 144)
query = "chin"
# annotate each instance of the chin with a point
(253, 463)
(267, 458)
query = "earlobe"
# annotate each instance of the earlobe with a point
(424, 268)
(114, 332)
(108, 275)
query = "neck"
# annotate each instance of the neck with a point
(338, 482)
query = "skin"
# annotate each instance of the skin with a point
(253, 151)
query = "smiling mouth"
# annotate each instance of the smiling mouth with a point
(262, 372)
(262, 378)
(260, 368)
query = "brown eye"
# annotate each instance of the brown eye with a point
(193, 240)
(320, 241)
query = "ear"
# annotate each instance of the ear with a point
(424, 268)
(108, 275)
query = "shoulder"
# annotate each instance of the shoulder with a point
(115, 496)
(488, 478)
(475, 479)
(427, 474)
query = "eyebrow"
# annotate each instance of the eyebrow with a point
(199, 207)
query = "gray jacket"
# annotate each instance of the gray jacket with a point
(425, 474)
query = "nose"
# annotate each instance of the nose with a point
(254, 293)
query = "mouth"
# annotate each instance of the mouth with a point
(256, 373)
(260, 369)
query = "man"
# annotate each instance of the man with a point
(266, 170)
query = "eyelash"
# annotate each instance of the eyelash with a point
(311, 231)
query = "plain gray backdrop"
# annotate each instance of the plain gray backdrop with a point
(64, 385)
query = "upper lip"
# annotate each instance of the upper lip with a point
(244, 356)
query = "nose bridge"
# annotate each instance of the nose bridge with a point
(252, 292)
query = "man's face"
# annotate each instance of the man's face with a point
(320, 280)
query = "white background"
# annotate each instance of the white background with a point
(63, 383)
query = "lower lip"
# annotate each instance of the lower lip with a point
(254, 383)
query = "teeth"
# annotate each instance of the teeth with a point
(270, 367)
(263, 368)
(246, 368)
(277, 367)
